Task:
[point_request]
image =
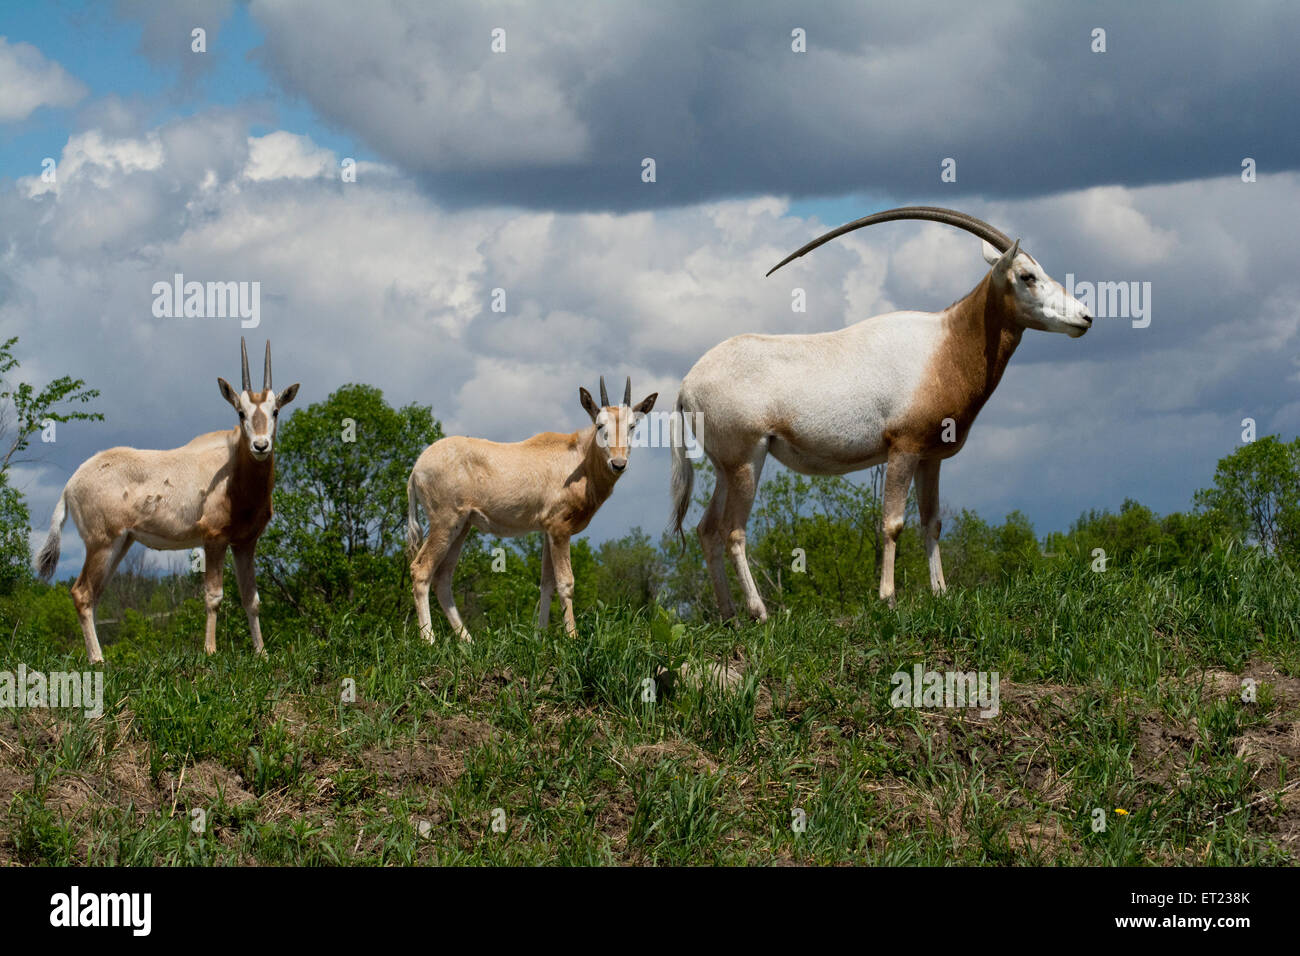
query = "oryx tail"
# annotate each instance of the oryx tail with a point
(48, 559)
(413, 532)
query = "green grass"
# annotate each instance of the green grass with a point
(1120, 692)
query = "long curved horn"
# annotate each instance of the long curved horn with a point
(266, 371)
(604, 395)
(950, 217)
(627, 392)
(243, 355)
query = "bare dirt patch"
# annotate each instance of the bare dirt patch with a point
(11, 782)
(206, 784)
(1271, 747)
(436, 759)
(1039, 838)
(1163, 752)
(1225, 684)
(1288, 823)
(1286, 690)
(650, 755)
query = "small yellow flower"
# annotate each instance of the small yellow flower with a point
(1121, 811)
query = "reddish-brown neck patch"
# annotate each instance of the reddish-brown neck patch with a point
(987, 337)
(589, 486)
(980, 339)
(249, 493)
(600, 479)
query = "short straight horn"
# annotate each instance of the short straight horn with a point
(266, 371)
(243, 355)
(627, 392)
(604, 395)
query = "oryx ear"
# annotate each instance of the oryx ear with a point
(1004, 261)
(645, 404)
(229, 394)
(991, 254)
(588, 403)
(287, 396)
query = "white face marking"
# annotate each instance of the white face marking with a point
(1041, 301)
(614, 425)
(257, 420)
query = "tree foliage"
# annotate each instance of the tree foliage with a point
(15, 553)
(24, 411)
(340, 500)
(1256, 494)
(629, 571)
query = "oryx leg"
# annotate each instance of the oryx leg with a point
(442, 583)
(102, 558)
(715, 547)
(898, 478)
(214, 560)
(927, 499)
(742, 485)
(120, 547)
(443, 530)
(562, 568)
(246, 576)
(548, 587)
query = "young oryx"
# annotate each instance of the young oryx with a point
(552, 483)
(213, 493)
(901, 388)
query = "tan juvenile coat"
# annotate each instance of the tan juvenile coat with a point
(213, 492)
(553, 483)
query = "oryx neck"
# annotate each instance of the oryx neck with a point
(600, 479)
(250, 476)
(987, 335)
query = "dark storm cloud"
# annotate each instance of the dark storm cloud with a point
(715, 95)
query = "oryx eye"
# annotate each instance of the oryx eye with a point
(1027, 278)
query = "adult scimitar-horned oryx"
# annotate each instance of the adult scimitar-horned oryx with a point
(901, 388)
(552, 483)
(213, 493)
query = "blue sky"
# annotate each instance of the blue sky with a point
(521, 171)
(98, 47)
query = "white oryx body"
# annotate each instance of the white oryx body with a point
(552, 482)
(213, 492)
(828, 423)
(901, 389)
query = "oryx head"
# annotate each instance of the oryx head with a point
(1032, 298)
(258, 411)
(615, 423)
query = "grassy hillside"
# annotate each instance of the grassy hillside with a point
(1120, 690)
